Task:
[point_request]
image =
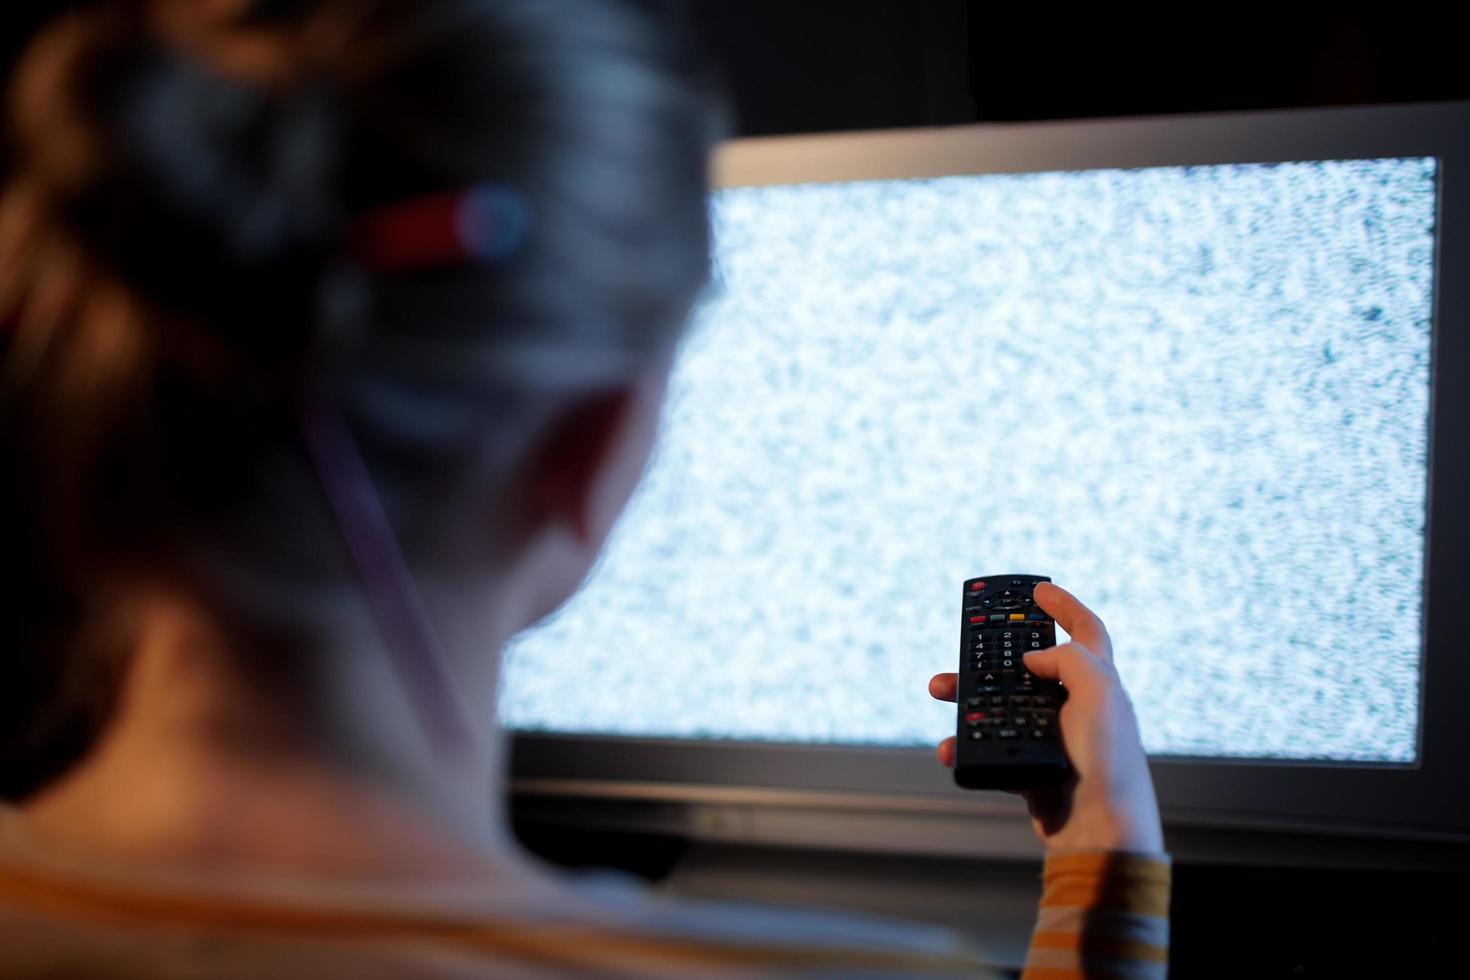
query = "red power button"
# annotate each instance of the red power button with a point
(976, 586)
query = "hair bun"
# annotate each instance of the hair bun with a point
(213, 197)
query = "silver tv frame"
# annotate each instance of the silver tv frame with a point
(900, 799)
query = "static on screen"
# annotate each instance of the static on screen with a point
(1197, 397)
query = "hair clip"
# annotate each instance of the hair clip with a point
(485, 223)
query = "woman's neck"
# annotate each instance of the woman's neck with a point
(200, 766)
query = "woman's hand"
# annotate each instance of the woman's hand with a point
(1110, 803)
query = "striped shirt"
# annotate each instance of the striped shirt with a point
(1102, 915)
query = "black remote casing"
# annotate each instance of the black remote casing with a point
(1009, 736)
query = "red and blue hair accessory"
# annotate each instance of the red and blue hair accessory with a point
(483, 223)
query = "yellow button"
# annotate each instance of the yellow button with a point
(1018, 615)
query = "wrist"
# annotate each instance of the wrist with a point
(1109, 830)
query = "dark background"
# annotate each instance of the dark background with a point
(863, 64)
(824, 65)
(819, 65)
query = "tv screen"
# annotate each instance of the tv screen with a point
(1196, 396)
(1208, 372)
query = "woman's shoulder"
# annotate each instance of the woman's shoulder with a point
(100, 918)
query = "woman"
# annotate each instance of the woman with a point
(334, 337)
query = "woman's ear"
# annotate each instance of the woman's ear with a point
(593, 456)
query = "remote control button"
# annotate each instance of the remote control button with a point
(977, 619)
(1013, 615)
(1033, 645)
(975, 717)
(997, 700)
(987, 602)
(988, 689)
(997, 617)
(977, 586)
(978, 736)
(1037, 615)
(1008, 733)
(972, 702)
(1020, 699)
(1040, 734)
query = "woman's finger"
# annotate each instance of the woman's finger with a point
(1071, 615)
(945, 751)
(943, 686)
(1071, 663)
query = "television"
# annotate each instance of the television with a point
(1208, 372)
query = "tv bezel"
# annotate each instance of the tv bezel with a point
(1429, 799)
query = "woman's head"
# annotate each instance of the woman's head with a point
(177, 266)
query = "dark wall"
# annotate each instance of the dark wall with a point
(810, 65)
(1026, 64)
(821, 65)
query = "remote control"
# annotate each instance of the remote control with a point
(1008, 732)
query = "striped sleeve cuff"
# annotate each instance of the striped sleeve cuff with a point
(1104, 914)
